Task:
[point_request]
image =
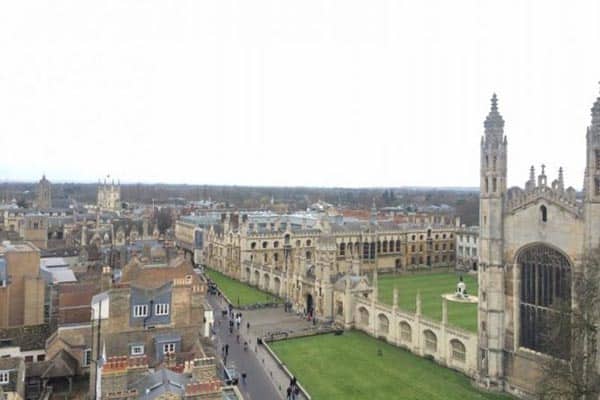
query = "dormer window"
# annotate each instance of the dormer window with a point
(4, 377)
(161, 309)
(168, 348)
(140, 311)
(137, 350)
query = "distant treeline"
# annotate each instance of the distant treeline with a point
(465, 201)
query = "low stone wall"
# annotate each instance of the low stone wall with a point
(449, 346)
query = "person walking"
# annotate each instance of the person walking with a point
(288, 393)
(244, 377)
(296, 394)
(248, 326)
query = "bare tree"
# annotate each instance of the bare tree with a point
(571, 338)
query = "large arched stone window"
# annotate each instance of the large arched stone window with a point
(545, 287)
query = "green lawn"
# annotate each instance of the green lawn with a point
(237, 292)
(348, 367)
(432, 286)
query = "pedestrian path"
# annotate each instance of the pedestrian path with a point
(258, 385)
(266, 379)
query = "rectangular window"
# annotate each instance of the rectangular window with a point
(494, 185)
(597, 159)
(3, 377)
(140, 310)
(168, 348)
(161, 309)
(87, 357)
(137, 350)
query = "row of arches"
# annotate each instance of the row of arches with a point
(369, 249)
(430, 340)
(267, 283)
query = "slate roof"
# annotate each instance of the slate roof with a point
(161, 382)
(27, 337)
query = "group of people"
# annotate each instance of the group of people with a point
(293, 390)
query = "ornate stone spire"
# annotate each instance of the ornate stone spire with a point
(561, 180)
(542, 179)
(532, 174)
(530, 184)
(596, 113)
(494, 123)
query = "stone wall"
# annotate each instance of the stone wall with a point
(449, 346)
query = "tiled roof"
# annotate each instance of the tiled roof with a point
(27, 337)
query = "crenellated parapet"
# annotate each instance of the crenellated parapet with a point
(534, 190)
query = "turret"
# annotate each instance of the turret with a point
(592, 180)
(491, 276)
(493, 154)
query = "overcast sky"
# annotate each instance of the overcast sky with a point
(325, 93)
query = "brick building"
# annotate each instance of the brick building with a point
(22, 287)
(155, 311)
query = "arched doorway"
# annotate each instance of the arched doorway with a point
(309, 304)
(545, 289)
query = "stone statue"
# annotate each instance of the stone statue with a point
(461, 289)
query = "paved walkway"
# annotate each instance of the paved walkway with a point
(266, 380)
(258, 385)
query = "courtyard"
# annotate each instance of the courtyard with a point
(240, 294)
(349, 367)
(432, 286)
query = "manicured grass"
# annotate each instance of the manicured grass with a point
(237, 292)
(432, 286)
(348, 367)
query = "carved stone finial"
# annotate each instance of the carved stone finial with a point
(560, 176)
